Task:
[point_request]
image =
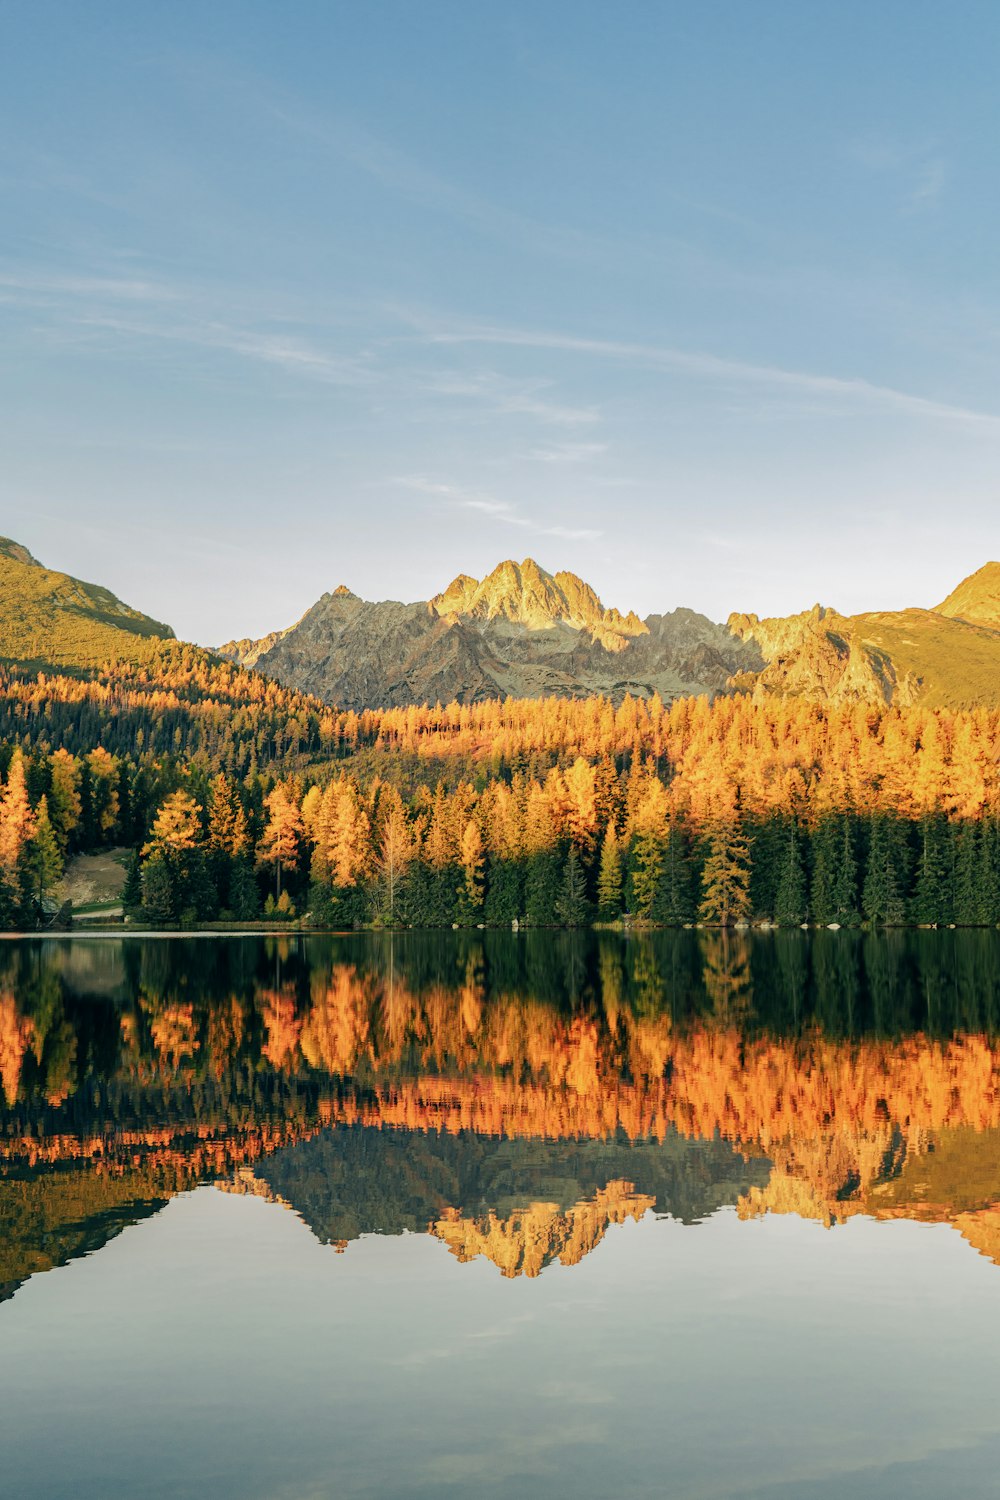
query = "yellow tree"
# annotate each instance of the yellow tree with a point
(281, 841)
(17, 821)
(177, 826)
(725, 881)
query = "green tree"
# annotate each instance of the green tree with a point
(725, 880)
(883, 895)
(157, 889)
(790, 896)
(43, 858)
(609, 877)
(675, 900)
(645, 873)
(933, 896)
(571, 902)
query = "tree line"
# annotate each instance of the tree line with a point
(552, 812)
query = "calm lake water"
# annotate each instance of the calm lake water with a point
(495, 1214)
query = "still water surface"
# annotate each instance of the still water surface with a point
(532, 1215)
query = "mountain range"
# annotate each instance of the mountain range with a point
(524, 632)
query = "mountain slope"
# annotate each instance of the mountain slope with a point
(898, 657)
(977, 598)
(52, 619)
(520, 632)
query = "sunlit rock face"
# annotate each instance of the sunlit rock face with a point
(519, 632)
(525, 1242)
(523, 632)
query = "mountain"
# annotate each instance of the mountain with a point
(896, 657)
(524, 633)
(520, 632)
(977, 598)
(52, 619)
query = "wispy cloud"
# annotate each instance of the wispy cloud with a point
(917, 170)
(728, 372)
(513, 397)
(568, 453)
(497, 510)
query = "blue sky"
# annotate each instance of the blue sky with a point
(699, 301)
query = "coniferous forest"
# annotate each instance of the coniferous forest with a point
(242, 800)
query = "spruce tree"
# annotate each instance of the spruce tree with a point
(933, 895)
(43, 859)
(883, 898)
(609, 878)
(645, 872)
(157, 889)
(725, 879)
(675, 898)
(541, 888)
(790, 896)
(244, 896)
(571, 902)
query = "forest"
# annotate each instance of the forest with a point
(241, 800)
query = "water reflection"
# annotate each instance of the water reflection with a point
(514, 1096)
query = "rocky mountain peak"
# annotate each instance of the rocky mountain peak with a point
(343, 592)
(526, 594)
(14, 550)
(977, 598)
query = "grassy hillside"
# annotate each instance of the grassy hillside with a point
(956, 663)
(51, 619)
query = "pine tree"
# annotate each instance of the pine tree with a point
(883, 892)
(471, 895)
(790, 896)
(675, 899)
(609, 878)
(132, 889)
(645, 873)
(725, 880)
(157, 889)
(43, 859)
(244, 897)
(17, 821)
(571, 902)
(833, 893)
(969, 906)
(933, 896)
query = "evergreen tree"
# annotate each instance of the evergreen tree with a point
(244, 896)
(645, 874)
(790, 896)
(675, 898)
(609, 878)
(132, 889)
(157, 889)
(883, 893)
(571, 902)
(933, 896)
(504, 891)
(541, 888)
(725, 880)
(43, 859)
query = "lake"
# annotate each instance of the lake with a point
(686, 1214)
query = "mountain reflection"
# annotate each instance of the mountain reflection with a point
(514, 1096)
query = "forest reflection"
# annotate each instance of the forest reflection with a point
(514, 1095)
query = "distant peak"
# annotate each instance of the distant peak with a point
(10, 548)
(343, 592)
(527, 594)
(977, 598)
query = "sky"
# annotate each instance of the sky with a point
(699, 301)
